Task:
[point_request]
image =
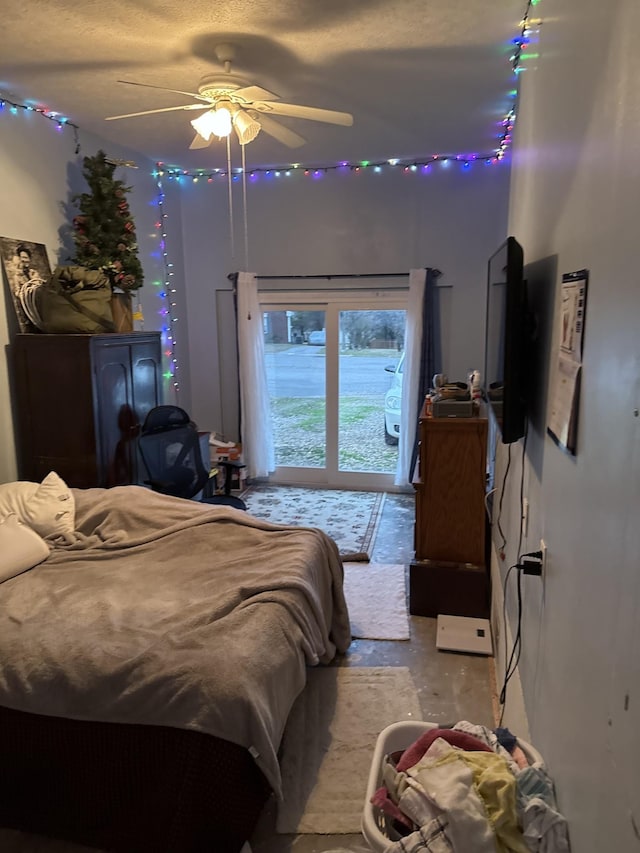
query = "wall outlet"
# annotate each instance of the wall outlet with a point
(543, 562)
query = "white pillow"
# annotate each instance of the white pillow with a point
(48, 508)
(21, 548)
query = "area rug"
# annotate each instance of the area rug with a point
(329, 741)
(350, 518)
(377, 601)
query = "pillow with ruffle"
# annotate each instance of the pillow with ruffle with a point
(48, 507)
(20, 546)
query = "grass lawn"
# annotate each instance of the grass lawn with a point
(299, 433)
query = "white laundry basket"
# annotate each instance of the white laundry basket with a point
(376, 826)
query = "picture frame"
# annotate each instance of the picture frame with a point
(26, 266)
(562, 421)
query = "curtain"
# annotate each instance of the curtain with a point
(422, 360)
(431, 361)
(256, 429)
(410, 375)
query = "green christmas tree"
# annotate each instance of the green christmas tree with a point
(104, 232)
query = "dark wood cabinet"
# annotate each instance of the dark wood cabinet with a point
(449, 573)
(80, 402)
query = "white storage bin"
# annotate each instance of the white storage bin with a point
(376, 827)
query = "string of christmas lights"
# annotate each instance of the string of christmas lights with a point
(527, 28)
(518, 54)
(166, 293)
(423, 167)
(60, 121)
(166, 290)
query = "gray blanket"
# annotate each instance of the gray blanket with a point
(171, 612)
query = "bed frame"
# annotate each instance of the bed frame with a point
(127, 788)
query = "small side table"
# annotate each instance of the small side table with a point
(231, 469)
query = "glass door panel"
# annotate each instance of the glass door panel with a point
(296, 377)
(334, 382)
(370, 348)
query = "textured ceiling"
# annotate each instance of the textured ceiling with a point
(419, 76)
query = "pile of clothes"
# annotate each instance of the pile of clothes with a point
(468, 789)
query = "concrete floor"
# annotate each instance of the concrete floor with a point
(451, 686)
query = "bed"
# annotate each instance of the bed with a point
(148, 666)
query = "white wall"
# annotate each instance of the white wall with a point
(349, 222)
(40, 172)
(575, 203)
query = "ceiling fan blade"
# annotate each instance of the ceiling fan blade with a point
(200, 142)
(255, 93)
(164, 89)
(279, 131)
(311, 113)
(162, 110)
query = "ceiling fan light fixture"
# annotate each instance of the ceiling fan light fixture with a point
(247, 128)
(214, 122)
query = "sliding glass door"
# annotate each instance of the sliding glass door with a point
(332, 370)
(296, 379)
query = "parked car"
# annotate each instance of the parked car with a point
(318, 338)
(392, 402)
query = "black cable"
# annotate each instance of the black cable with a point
(517, 644)
(504, 622)
(514, 658)
(524, 450)
(498, 524)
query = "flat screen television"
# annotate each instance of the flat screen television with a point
(505, 340)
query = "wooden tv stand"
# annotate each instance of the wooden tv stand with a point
(449, 574)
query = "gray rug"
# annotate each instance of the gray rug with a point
(377, 601)
(329, 741)
(350, 518)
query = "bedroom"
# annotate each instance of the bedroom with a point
(574, 143)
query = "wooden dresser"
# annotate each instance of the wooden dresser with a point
(80, 402)
(449, 574)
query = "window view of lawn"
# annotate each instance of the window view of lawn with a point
(299, 424)
(370, 344)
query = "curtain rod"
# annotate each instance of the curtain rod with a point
(234, 275)
(329, 277)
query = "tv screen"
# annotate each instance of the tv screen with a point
(505, 351)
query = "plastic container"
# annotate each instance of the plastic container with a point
(376, 827)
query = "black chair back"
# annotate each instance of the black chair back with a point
(169, 445)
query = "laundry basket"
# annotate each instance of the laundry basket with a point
(377, 827)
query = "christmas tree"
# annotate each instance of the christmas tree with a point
(104, 233)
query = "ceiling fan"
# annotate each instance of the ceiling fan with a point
(231, 102)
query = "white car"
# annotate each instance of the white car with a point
(392, 402)
(318, 338)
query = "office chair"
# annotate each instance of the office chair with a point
(169, 445)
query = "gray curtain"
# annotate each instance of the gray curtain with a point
(431, 361)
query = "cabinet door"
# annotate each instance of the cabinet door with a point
(127, 385)
(146, 375)
(55, 408)
(451, 498)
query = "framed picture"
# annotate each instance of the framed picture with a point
(27, 267)
(562, 423)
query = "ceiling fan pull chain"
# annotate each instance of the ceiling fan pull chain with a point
(244, 206)
(230, 183)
